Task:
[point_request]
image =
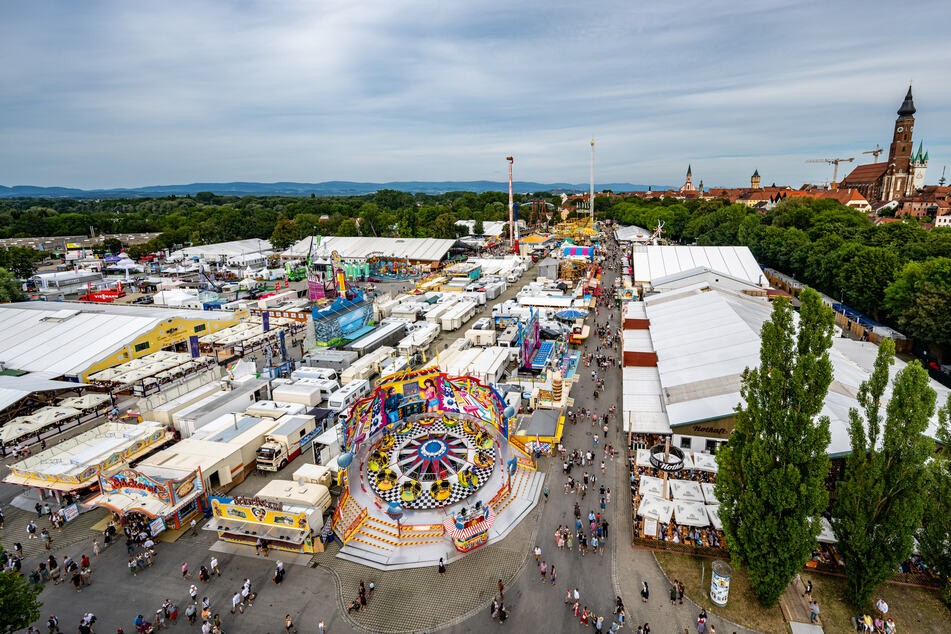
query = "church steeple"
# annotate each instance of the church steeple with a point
(754, 180)
(907, 108)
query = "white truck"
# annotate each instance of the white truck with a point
(286, 442)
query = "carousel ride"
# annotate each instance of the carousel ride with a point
(431, 462)
(428, 458)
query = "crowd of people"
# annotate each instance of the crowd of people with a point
(702, 537)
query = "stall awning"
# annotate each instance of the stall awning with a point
(256, 530)
(123, 503)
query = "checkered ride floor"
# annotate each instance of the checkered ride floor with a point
(425, 453)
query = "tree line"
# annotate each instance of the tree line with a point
(208, 218)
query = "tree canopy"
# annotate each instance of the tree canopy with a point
(772, 470)
(881, 499)
(18, 602)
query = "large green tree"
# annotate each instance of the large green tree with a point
(880, 501)
(18, 602)
(771, 482)
(284, 234)
(9, 287)
(21, 261)
(934, 536)
(920, 300)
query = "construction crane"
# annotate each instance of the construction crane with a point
(878, 150)
(835, 172)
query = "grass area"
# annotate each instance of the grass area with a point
(914, 609)
(742, 607)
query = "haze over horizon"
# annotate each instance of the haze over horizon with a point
(107, 94)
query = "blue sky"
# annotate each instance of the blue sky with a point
(117, 94)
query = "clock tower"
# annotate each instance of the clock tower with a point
(899, 180)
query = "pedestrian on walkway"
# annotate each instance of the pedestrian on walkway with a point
(193, 593)
(214, 566)
(543, 569)
(538, 554)
(814, 612)
(442, 567)
(553, 576)
(236, 603)
(185, 574)
(501, 589)
(289, 624)
(645, 592)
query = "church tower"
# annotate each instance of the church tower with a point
(754, 180)
(688, 184)
(899, 177)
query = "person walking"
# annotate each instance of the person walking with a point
(236, 603)
(289, 624)
(501, 589)
(214, 566)
(543, 569)
(645, 592)
(814, 612)
(442, 568)
(553, 576)
(538, 554)
(673, 593)
(185, 574)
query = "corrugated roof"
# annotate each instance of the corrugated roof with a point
(41, 337)
(655, 262)
(223, 249)
(14, 388)
(704, 341)
(422, 249)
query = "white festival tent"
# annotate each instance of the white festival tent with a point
(708, 496)
(691, 514)
(685, 490)
(655, 507)
(651, 486)
(705, 462)
(713, 512)
(826, 535)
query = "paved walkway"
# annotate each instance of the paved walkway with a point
(599, 578)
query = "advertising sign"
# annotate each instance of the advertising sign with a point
(720, 583)
(71, 512)
(133, 483)
(266, 320)
(156, 526)
(193, 346)
(238, 509)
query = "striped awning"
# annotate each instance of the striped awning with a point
(469, 531)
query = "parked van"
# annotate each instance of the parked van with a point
(341, 400)
(314, 373)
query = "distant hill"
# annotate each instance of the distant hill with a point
(328, 188)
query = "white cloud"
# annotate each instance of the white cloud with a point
(119, 94)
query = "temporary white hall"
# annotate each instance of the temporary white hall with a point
(632, 233)
(353, 248)
(222, 251)
(67, 338)
(653, 262)
(704, 338)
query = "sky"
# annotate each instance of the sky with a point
(125, 94)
